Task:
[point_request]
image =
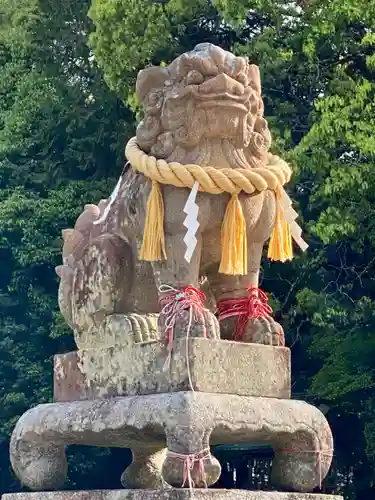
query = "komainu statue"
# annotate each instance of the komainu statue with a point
(209, 198)
(177, 348)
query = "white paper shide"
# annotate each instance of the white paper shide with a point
(191, 222)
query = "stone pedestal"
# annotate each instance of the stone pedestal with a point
(124, 387)
(173, 494)
(186, 424)
(216, 366)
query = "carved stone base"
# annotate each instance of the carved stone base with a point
(216, 366)
(172, 494)
(186, 423)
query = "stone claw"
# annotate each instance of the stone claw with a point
(144, 327)
(264, 330)
(203, 323)
(127, 329)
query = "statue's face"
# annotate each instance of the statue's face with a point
(205, 94)
(220, 107)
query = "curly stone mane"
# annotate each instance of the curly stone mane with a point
(204, 100)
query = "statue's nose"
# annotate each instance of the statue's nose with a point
(220, 84)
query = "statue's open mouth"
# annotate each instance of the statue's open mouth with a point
(226, 101)
(222, 91)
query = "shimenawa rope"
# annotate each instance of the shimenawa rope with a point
(214, 181)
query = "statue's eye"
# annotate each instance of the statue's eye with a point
(194, 78)
(243, 79)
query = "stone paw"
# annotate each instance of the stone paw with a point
(195, 323)
(145, 327)
(263, 330)
(127, 329)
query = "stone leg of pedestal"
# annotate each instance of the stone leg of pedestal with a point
(42, 466)
(189, 461)
(145, 469)
(186, 423)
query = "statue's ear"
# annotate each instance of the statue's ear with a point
(254, 78)
(150, 79)
(59, 271)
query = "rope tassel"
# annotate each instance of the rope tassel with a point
(153, 245)
(273, 176)
(280, 246)
(233, 239)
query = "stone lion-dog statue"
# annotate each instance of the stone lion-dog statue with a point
(125, 260)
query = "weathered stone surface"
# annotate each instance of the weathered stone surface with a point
(206, 109)
(175, 494)
(144, 471)
(216, 366)
(185, 423)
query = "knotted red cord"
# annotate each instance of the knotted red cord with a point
(173, 302)
(255, 305)
(189, 461)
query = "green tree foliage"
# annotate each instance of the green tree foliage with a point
(61, 136)
(61, 145)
